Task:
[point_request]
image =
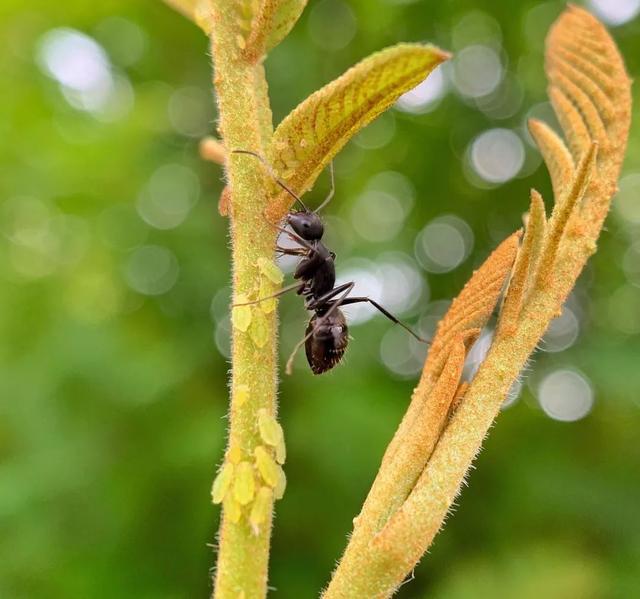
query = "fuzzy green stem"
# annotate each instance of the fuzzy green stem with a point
(245, 123)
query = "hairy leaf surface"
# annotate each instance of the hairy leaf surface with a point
(285, 17)
(525, 265)
(198, 11)
(321, 125)
(475, 303)
(589, 88)
(466, 316)
(269, 25)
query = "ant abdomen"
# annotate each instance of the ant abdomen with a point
(327, 341)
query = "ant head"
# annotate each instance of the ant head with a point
(306, 224)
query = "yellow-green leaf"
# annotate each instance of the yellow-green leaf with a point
(265, 23)
(198, 11)
(285, 17)
(314, 132)
(270, 24)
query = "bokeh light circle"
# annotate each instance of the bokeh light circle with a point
(168, 197)
(477, 71)
(443, 244)
(401, 354)
(393, 280)
(332, 24)
(562, 333)
(565, 395)
(84, 73)
(615, 12)
(497, 155)
(631, 263)
(189, 111)
(624, 309)
(74, 59)
(377, 216)
(627, 201)
(426, 95)
(151, 270)
(513, 395)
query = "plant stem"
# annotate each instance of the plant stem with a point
(245, 123)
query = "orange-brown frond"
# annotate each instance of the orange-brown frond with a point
(555, 154)
(562, 212)
(525, 265)
(474, 305)
(588, 85)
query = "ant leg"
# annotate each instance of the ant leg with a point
(347, 287)
(277, 294)
(303, 242)
(281, 183)
(357, 300)
(291, 251)
(332, 191)
(323, 299)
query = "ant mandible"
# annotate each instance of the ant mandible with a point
(327, 334)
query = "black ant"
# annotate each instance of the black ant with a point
(327, 333)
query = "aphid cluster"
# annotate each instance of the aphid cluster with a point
(327, 334)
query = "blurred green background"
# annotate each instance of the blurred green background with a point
(114, 266)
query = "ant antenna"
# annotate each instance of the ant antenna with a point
(273, 176)
(331, 192)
